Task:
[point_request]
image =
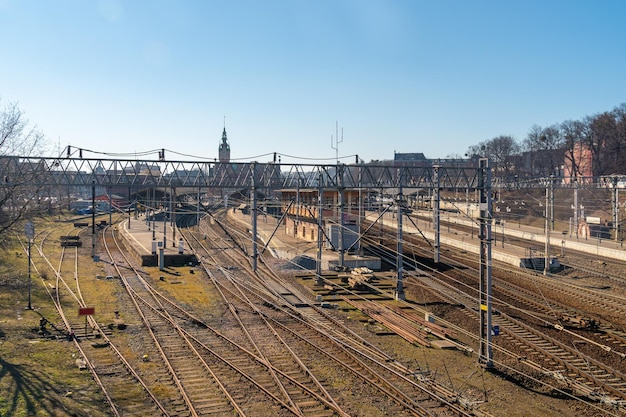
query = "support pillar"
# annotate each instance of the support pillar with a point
(110, 206)
(93, 219)
(164, 212)
(161, 258)
(129, 204)
(399, 293)
(546, 255)
(436, 213)
(254, 219)
(485, 207)
(552, 202)
(173, 214)
(615, 197)
(576, 208)
(341, 214)
(320, 235)
(198, 213)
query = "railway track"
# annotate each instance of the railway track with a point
(114, 376)
(565, 365)
(550, 356)
(281, 347)
(290, 321)
(594, 272)
(213, 374)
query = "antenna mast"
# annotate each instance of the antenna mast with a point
(335, 144)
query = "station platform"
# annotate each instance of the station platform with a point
(532, 256)
(285, 246)
(559, 242)
(146, 237)
(290, 247)
(143, 234)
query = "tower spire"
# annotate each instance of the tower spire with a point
(224, 148)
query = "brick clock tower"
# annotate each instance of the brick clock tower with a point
(224, 150)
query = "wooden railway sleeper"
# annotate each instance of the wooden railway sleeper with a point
(578, 371)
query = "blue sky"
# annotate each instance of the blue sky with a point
(397, 75)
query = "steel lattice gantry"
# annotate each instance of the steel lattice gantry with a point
(50, 172)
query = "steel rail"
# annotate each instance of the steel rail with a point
(329, 399)
(61, 311)
(407, 404)
(217, 355)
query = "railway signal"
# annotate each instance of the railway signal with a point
(86, 311)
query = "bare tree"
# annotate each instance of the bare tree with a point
(531, 146)
(501, 150)
(544, 147)
(553, 148)
(617, 147)
(19, 195)
(573, 134)
(598, 131)
(594, 146)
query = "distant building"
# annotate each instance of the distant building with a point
(139, 169)
(409, 157)
(224, 149)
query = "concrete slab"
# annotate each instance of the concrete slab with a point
(442, 344)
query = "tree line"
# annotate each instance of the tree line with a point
(594, 146)
(19, 196)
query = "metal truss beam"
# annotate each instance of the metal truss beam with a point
(85, 172)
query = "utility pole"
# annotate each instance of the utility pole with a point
(164, 212)
(546, 261)
(361, 202)
(198, 213)
(320, 234)
(615, 208)
(399, 295)
(436, 213)
(110, 206)
(341, 224)
(297, 222)
(153, 207)
(551, 202)
(485, 206)
(254, 224)
(576, 208)
(173, 214)
(93, 219)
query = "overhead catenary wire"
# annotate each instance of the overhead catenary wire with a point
(72, 151)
